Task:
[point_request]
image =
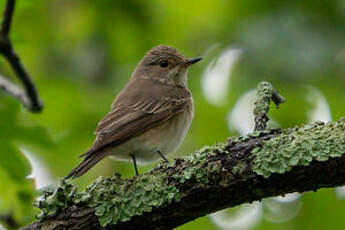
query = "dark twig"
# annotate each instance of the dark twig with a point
(28, 97)
(6, 23)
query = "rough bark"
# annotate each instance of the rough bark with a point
(224, 188)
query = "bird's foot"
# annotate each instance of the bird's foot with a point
(162, 156)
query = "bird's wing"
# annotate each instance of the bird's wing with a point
(125, 122)
(131, 118)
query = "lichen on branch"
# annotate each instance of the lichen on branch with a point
(116, 199)
(265, 94)
(54, 200)
(241, 170)
(299, 147)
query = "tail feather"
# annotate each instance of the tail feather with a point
(88, 153)
(89, 161)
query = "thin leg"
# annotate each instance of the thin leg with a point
(164, 158)
(135, 164)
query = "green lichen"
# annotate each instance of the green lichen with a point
(198, 168)
(117, 200)
(114, 199)
(265, 93)
(299, 147)
(239, 168)
(200, 155)
(53, 201)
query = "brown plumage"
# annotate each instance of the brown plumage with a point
(152, 112)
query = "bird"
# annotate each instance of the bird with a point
(151, 115)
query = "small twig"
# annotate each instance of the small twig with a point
(29, 98)
(265, 93)
(8, 13)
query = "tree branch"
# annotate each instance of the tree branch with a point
(6, 23)
(244, 169)
(29, 98)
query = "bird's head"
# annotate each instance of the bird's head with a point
(165, 64)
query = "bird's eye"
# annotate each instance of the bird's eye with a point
(164, 64)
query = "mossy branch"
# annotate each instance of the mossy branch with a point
(265, 94)
(244, 169)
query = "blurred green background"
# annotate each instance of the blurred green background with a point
(81, 53)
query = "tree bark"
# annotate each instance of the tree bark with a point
(235, 181)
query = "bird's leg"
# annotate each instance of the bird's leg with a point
(135, 164)
(164, 158)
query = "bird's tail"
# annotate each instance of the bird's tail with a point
(89, 161)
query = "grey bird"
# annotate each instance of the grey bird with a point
(151, 115)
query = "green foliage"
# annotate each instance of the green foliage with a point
(300, 146)
(17, 192)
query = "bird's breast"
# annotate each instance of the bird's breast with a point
(166, 138)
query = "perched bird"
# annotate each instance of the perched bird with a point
(151, 115)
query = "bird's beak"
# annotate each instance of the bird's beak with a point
(193, 60)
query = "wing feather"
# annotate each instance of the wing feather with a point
(125, 122)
